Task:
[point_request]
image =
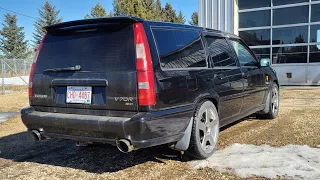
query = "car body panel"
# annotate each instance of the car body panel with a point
(115, 112)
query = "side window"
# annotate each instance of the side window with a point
(243, 54)
(220, 52)
(179, 49)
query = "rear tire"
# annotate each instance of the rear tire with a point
(273, 104)
(205, 131)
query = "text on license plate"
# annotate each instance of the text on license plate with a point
(78, 94)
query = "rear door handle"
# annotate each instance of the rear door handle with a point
(219, 76)
(245, 76)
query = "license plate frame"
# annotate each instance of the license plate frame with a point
(79, 95)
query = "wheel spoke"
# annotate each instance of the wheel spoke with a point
(214, 122)
(211, 141)
(207, 117)
(202, 126)
(273, 107)
(204, 141)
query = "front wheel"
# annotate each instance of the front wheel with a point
(205, 131)
(272, 104)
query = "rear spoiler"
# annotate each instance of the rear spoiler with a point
(92, 22)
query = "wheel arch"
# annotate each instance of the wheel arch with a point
(212, 97)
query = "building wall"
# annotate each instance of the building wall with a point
(217, 14)
(284, 31)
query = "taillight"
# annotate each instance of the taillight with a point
(145, 76)
(33, 67)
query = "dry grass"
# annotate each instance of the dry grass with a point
(14, 88)
(21, 158)
(13, 101)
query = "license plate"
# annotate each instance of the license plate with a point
(79, 95)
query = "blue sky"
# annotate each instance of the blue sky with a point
(74, 9)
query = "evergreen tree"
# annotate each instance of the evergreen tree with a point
(147, 9)
(12, 40)
(130, 8)
(194, 19)
(180, 19)
(149, 6)
(97, 12)
(48, 16)
(158, 11)
(169, 13)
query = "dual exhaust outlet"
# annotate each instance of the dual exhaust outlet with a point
(123, 145)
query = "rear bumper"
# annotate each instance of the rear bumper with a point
(143, 129)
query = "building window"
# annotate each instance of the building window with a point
(254, 19)
(315, 33)
(315, 12)
(290, 35)
(256, 37)
(314, 53)
(179, 49)
(294, 54)
(292, 15)
(249, 4)
(262, 52)
(283, 2)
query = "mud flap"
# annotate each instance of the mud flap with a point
(266, 108)
(183, 143)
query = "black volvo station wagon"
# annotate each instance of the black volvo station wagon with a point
(136, 84)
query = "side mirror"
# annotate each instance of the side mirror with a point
(265, 62)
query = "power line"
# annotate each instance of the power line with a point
(18, 13)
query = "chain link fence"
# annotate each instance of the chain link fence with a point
(14, 74)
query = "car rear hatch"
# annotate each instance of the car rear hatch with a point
(86, 66)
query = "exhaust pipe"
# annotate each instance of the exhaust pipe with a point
(36, 135)
(124, 145)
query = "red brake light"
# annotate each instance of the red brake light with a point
(33, 67)
(145, 76)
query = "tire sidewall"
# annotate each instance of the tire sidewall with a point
(204, 106)
(274, 115)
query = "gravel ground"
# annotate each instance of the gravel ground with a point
(21, 158)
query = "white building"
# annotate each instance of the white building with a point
(286, 31)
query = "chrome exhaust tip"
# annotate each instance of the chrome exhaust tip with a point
(124, 145)
(36, 135)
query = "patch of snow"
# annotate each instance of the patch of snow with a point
(15, 80)
(6, 115)
(294, 161)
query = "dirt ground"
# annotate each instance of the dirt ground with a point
(21, 158)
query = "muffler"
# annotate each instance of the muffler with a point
(124, 145)
(36, 135)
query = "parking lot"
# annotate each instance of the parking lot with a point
(21, 158)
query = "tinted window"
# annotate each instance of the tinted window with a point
(244, 56)
(314, 53)
(254, 19)
(315, 33)
(290, 35)
(105, 48)
(291, 15)
(262, 52)
(256, 37)
(180, 49)
(219, 51)
(282, 2)
(249, 4)
(295, 54)
(315, 12)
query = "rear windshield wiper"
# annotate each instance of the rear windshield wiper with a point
(72, 68)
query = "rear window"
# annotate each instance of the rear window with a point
(98, 50)
(179, 49)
